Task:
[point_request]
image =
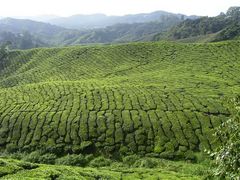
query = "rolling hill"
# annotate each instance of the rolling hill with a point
(157, 98)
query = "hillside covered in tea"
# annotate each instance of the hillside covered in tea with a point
(157, 98)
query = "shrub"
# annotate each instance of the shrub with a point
(100, 162)
(167, 155)
(33, 157)
(227, 156)
(17, 155)
(11, 148)
(130, 160)
(48, 158)
(27, 165)
(72, 160)
(189, 155)
(145, 163)
(89, 157)
(2, 163)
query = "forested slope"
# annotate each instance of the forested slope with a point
(206, 29)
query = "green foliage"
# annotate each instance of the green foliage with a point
(27, 165)
(227, 156)
(130, 160)
(15, 170)
(4, 52)
(100, 162)
(47, 158)
(73, 160)
(33, 157)
(206, 29)
(234, 12)
(145, 163)
(228, 33)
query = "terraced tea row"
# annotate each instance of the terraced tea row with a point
(143, 62)
(161, 98)
(73, 118)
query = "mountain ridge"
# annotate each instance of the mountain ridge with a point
(102, 20)
(26, 34)
(52, 35)
(225, 26)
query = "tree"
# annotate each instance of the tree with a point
(4, 48)
(233, 11)
(227, 156)
(26, 40)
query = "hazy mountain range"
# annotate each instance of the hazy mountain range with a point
(99, 28)
(91, 21)
(101, 20)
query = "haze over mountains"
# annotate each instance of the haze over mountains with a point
(40, 18)
(96, 28)
(101, 20)
(98, 20)
(99, 28)
(94, 21)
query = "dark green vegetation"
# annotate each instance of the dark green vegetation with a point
(162, 99)
(227, 156)
(146, 168)
(207, 29)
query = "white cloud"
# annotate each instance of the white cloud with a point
(112, 7)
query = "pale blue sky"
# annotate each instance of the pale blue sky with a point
(112, 7)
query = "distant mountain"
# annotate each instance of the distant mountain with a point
(154, 26)
(120, 33)
(20, 25)
(102, 21)
(40, 18)
(45, 34)
(222, 27)
(32, 33)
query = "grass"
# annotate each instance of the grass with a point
(15, 169)
(159, 98)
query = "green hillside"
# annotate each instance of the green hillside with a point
(206, 29)
(147, 98)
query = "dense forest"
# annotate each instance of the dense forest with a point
(222, 27)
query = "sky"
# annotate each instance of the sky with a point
(13, 8)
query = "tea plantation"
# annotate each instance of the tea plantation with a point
(161, 98)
